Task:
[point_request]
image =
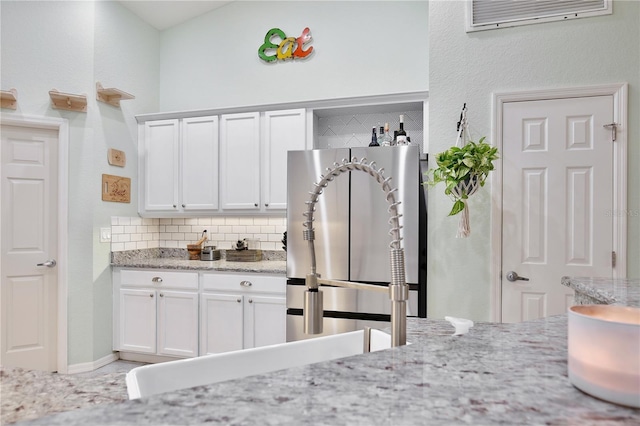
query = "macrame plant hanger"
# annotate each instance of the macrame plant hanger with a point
(469, 186)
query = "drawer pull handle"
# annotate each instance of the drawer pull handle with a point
(245, 283)
(151, 295)
(161, 295)
(250, 300)
(238, 300)
(156, 280)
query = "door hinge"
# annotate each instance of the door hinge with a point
(614, 129)
(613, 259)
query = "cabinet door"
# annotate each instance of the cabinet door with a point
(221, 323)
(199, 163)
(160, 158)
(240, 161)
(283, 131)
(137, 320)
(265, 320)
(178, 323)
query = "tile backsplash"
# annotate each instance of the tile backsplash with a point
(135, 233)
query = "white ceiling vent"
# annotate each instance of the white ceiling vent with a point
(492, 14)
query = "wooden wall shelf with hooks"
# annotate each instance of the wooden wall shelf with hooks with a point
(68, 101)
(9, 98)
(111, 96)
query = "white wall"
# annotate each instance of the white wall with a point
(469, 68)
(360, 48)
(126, 56)
(69, 45)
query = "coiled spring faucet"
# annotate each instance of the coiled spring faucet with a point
(398, 289)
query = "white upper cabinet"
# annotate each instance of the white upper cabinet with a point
(159, 158)
(234, 160)
(179, 166)
(253, 158)
(240, 161)
(283, 131)
(199, 154)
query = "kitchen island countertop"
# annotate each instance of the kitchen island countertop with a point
(495, 374)
(605, 291)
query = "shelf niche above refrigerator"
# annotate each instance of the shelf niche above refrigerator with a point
(350, 126)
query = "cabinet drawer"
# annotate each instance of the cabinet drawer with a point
(244, 283)
(159, 278)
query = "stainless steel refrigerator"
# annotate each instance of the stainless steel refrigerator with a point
(352, 236)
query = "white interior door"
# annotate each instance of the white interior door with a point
(557, 197)
(29, 159)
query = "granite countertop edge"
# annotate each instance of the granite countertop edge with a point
(610, 291)
(263, 266)
(177, 259)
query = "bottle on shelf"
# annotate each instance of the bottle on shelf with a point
(374, 139)
(387, 140)
(401, 138)
(381, 136)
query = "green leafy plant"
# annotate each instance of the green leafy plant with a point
(457, 167)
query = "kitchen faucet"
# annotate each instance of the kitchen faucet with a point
(398, 289)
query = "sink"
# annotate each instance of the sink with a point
(185, 373)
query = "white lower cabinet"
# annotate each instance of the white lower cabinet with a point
(167, 313)
(156, 312)
(137, 321)
(241, 311)
(177, 329)
(222, 322)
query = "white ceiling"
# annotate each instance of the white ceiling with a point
(163, 14)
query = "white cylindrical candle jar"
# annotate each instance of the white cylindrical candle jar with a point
(604, 352)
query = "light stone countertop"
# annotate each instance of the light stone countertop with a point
(513, 374)
(274, 263)
(607, 291)
(263, 266)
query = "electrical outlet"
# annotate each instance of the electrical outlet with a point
(105, 235)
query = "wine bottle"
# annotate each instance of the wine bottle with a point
(386, 138)
(374, 139)
(401, 139)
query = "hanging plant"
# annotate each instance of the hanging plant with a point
(463, 169)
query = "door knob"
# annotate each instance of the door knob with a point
(513, 276)
(49, 263)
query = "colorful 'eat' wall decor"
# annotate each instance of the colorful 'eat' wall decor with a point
(285, 47)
